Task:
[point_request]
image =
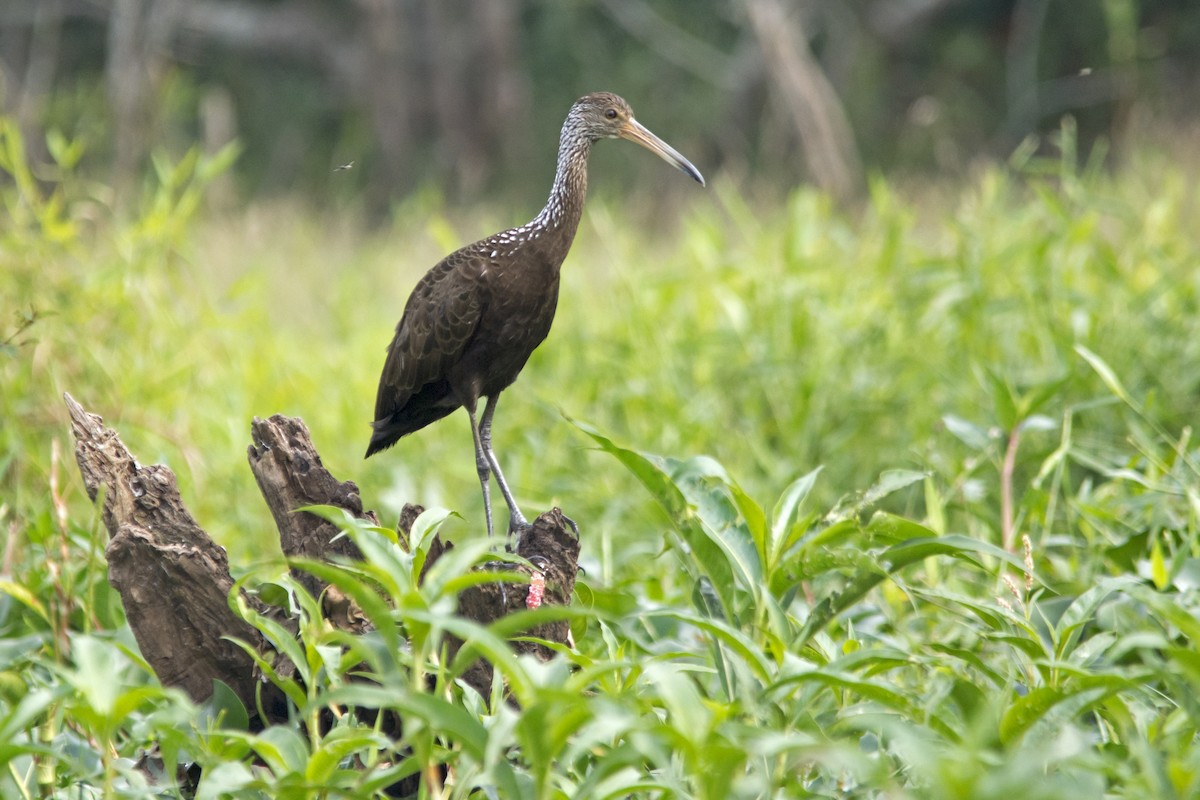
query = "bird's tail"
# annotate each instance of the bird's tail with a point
(385, 434)
(408, 420)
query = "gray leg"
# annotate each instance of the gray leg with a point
(482, 466)
(516, 520)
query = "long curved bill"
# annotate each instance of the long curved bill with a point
(635, 131)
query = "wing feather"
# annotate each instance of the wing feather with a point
(439, 320)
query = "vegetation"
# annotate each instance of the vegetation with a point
(468, 95)
(952, 550)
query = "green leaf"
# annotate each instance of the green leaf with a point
(731, 637)
(440, 716)
(707, 554)
(1106, 374)
(968, 433)
(786, 510)
(1083, 610)
(480, 641)
(283, 749)
(223, 708)
(424, 527)
(1003, 400)
(25, 597)
(834, 678)
(755, 522)
(23, 716)
(892, 529)
(687, 712)
(339, 744)
(219, 162)
(223, 780)
(954, 545)
(890, 481)
(893, 560)
(1027, 711)
(1158, 565)
(373, 606)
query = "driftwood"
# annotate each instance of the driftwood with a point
(174, 581)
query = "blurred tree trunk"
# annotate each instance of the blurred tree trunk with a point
(817, 113)
(1021, 75)
(139, 38)
(390, 92)
(460, 153)
(505, 97)
(478, 92)
(40, 69)
(218, 129)
(28, 65)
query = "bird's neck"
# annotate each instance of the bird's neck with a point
(565, 205)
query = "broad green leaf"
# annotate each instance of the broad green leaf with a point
(970, 434)
(748, 650)
(955, 545)
(224, 708)
(24, 714)
(708, 554)
(890, 481)
(708, 490)
(480, 641)
(376, 608)
(449, 570)
(892, 529)
(223, 780)
(755, 521)
(1004, 400)
(784, 515)
(339, 744)
(1169, 609)
(437, 714)
(685, 709)
(1027, 711)
(893, 560)
(871, 690)
(25, 597)
(283, 749)
(424, 527)
(280, 636)
(1083, 609)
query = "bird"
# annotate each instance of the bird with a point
(474, 319)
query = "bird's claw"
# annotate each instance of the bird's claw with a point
(517, 527)
(574, 526)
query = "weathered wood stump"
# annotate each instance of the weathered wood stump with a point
(174, 581)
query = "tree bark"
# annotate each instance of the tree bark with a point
(174, 581)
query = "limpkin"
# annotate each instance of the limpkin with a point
(473, 321)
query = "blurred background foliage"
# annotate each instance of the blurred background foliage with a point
(467, 95)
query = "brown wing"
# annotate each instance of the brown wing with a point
(439, 320)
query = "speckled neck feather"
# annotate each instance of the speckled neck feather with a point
(565, 205)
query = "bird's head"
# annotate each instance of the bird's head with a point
(604, 115)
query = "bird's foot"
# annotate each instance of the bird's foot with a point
(517, 527)
(574, 526)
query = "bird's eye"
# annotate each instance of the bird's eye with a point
(611, 113)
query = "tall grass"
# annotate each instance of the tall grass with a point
(898, 503)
